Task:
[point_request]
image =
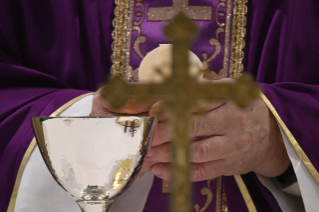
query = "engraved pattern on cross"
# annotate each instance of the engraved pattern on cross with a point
(203, 13)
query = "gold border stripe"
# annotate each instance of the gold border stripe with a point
(29, 152)
(243, 189)
(239, 31)
(302, 155)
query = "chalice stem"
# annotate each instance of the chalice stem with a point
(95, 206)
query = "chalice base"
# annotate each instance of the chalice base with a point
(95, 206)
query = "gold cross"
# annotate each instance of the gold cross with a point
(203, 13)
(181, 92)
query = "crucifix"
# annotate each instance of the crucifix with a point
(203, 13)
(180, 92)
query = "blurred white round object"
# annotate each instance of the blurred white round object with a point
(161, 58)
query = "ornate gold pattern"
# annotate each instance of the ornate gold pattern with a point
(224, 200)
(302, 155)
(218, 194)
(29, 152)
(127, 71)
(218, 14)
(243, 189)
(215, 43)
(223, 27)
(119, 35)
(206, 191)
(167, 13)
(141, 39)
(238, 42)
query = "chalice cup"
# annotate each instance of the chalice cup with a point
(94, 158)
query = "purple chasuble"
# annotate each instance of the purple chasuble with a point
(53, 51)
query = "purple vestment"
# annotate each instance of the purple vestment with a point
(55, 50)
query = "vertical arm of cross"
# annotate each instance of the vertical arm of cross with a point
(180, 97)
(180, 31)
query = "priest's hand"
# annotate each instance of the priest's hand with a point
(230, 141)
(102, 107)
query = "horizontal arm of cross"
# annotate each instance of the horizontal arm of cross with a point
(242, 92)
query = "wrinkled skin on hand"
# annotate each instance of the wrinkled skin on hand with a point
(229, 140)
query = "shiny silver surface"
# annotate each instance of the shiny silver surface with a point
(94, 159)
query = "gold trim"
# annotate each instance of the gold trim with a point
(219, 187)
(238, 42)
(119, 36)
(224, 200)
(206, 191)
(302, 155)
(29, 152)
(243, 190)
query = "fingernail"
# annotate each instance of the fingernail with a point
(157, 170)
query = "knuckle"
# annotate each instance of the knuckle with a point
(201, 151)
(199, 172)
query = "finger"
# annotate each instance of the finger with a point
(160, 111)
(209, 170)
(131, 107)
(97, 107)
(162, 133)
(212, 123)
(209, 149)
(146, 167)
(206, 106)
(162, 170)
(163, 113)
(160, 154)
(200, 171)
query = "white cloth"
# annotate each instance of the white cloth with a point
(39, 192)
(308, 187)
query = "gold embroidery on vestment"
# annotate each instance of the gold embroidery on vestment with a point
(223, 27)
(224, 200)
(141, 39)
(206, 191)
(119, 36)
(238, 42)
(218, 194)
(203, 13)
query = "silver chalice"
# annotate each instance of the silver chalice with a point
(94, 158)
